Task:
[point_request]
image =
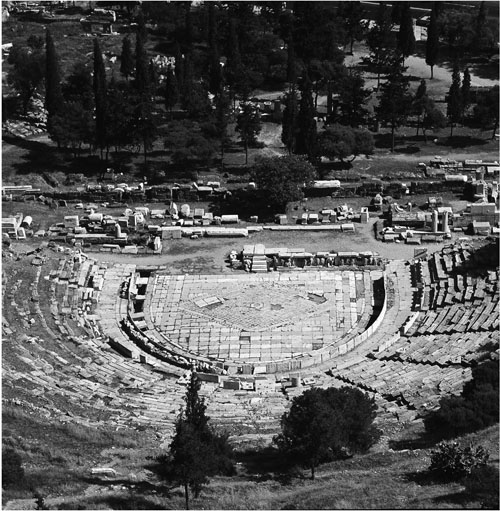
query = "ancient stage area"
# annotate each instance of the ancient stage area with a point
(260, 318)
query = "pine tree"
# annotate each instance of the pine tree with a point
(53, 92)
(432, 44)
(99, 97)
(142, 79)
(307, 134)
(454, 108)
(406, 35)
(352, 98)
(465, 91)
(289, 128)
(322, 424)
(127, 58)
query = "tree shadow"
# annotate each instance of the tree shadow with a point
(268, 464)
(47, 158)
(384, 141)
(458, 499)
(460, 141)
(409, 149)
(487, 70)
(422, 478)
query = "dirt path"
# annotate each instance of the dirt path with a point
(191, 256)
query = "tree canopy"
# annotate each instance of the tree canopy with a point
(486, 111)
(27, 72)
(53, 93)
(281, 179)
(325, 424)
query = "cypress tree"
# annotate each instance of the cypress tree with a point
(454, 108)
(396, 11)
(179, 66)
(127, 58)
(307, 134)
(290, 120)
(196, 451)
(188, 34)
(222, 113)
(380, 41)
(215, 71)
(141, 26)
(291, 65)
(406, 36)
(419, 101)
(234, 63)
(99, 97)
(465, 91)
(171, 92)
(479, 25)
(53, 91)
(432, 45)
(142, 78)
(248, 125)
(394, 106)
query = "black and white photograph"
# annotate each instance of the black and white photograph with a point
(250, 255)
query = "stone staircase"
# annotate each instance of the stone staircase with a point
(259, 264)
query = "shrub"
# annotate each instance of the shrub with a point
(12, 470)
(483, 483)
(452, 462)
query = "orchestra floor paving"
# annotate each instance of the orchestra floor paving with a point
(259, 317)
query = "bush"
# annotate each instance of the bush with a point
(452, 462)
(12, 470)
(483, 483)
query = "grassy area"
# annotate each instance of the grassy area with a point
(58, 458)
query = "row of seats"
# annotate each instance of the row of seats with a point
(441, 349)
